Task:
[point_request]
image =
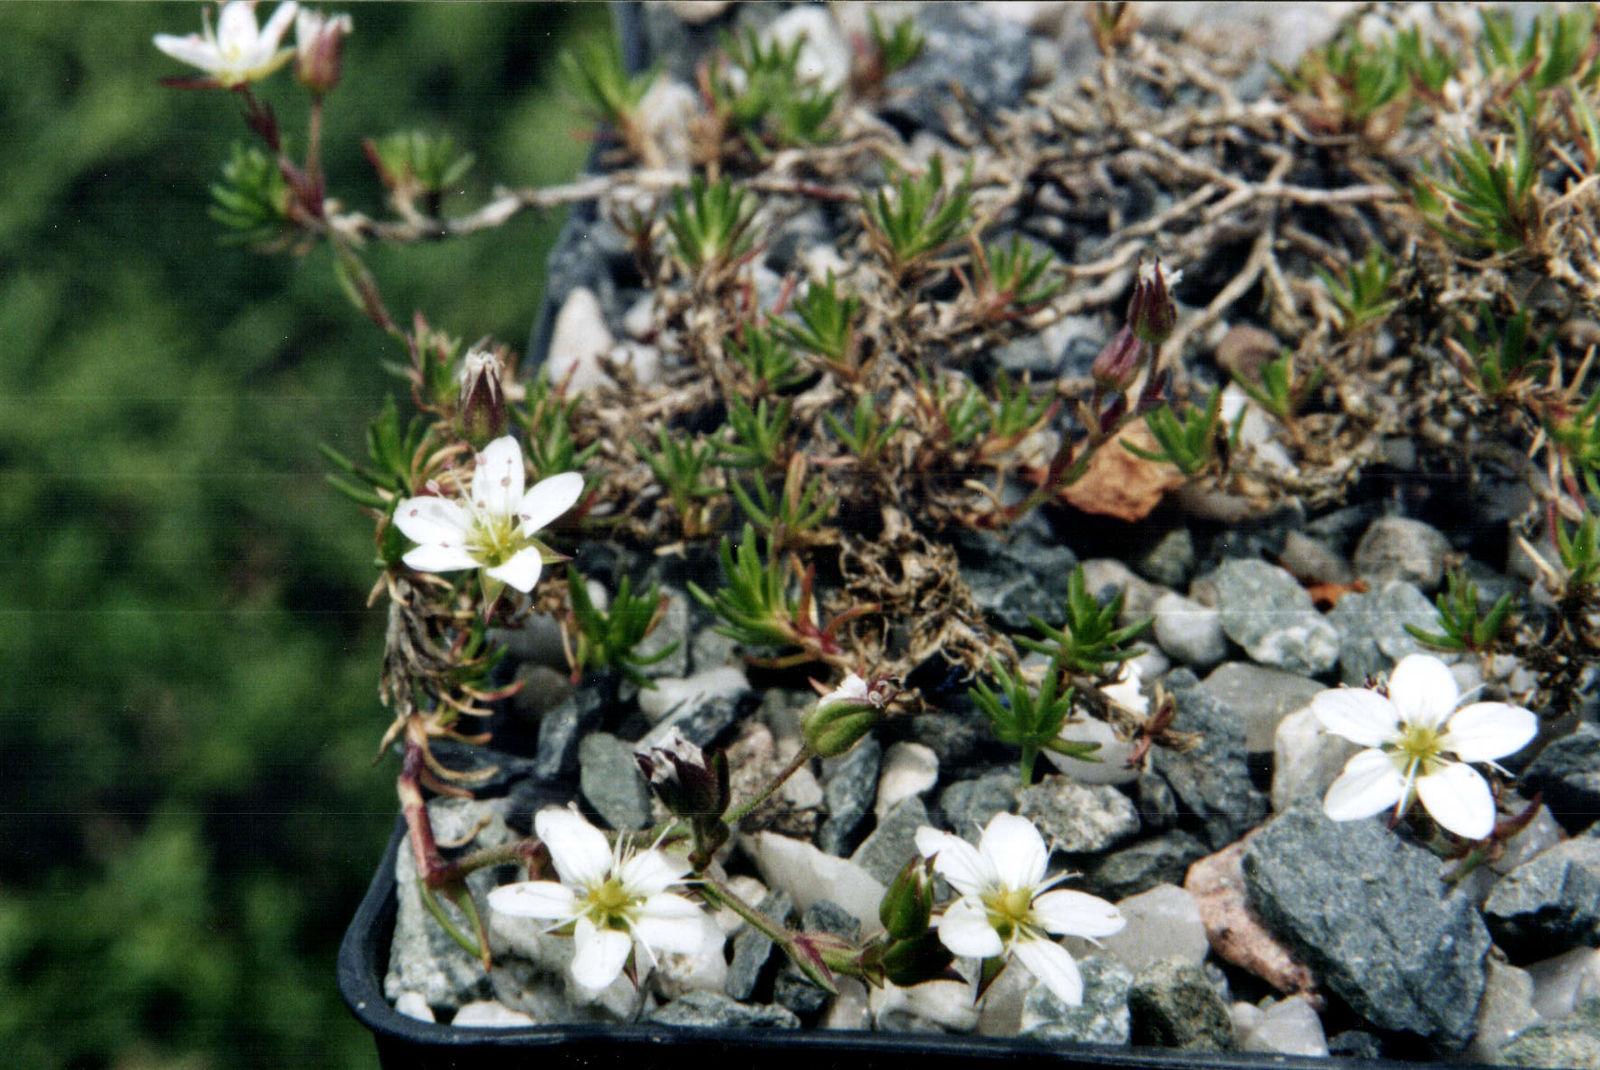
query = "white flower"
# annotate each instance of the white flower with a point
(238, 51)
(1418, 741)
(611, 897)
(1006, 906)
(495, 527)
(319, 48)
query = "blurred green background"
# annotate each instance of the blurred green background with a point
(188, 814)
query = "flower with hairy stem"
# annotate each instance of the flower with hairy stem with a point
(1418, 743)
(239, 51)
(613, 897)
(494, 528)
(1006, 905)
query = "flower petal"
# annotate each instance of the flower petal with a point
(431, 519)
(956, 860)
(668, 922)
(1485, 731)
(1459, 799)
(1370, 782)
(548, 499)
(649, 872)
(965, 930)
(598, 954)
(1424, 690)
(498, 479)
(545, 900)
(437, 557)
(1053, 966)
(1363, 717)
(579, 850)
(1077, 914)
(277, 25)
(1015, 849)
(191, 49)
(521, 572)
(236, 25)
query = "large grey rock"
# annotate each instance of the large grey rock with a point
(969, 804)
(1372, 916)
(1395, 548)
(1549, 903)
(1078, 818)
(893, 842)
(1190, 632)
(1102, 1017)
(1267, 612)
(1212, 779)
(707, 1010)
(422, 957)
(1567, 774)
(1173, 1004)
(1162, 859)
(1261, 697)
(990, 60)
(851, 786)
(610, 780)
(1571, 1045)
(1372, 633)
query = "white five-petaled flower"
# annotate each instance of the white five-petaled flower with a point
(239, 51)
(1417, 741)
(494, 528)
(1006, 906)
(611, 896)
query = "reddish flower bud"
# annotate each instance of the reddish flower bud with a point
(684, 779)
(319, 49)
(1119, 363)
(482, 406)
(1152, 314)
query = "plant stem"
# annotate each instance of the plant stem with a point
(740, 812)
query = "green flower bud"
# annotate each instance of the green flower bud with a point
(842, 718)
(907, 907)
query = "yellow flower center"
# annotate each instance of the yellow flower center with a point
(608, 904)
(494, 539)
(1009, 910)
(1418, 748)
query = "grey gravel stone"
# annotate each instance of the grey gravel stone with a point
(990, 60)
(752, 947)
(954, 737)
(1550, 903)
(1267, 612)
(672, 628)
(1078, 818)
(707, 1010)
(1172, 1004)
(1373, 918)
(1102, 1017)
(1163, 859)
(1016, 576)
(1396, 548)
(1571, 1045)
(1190, 632)
(849, 791)
(1311, 560)
(1372, 633)
(1567, 774)
(893, 842)
(1157, 802)
(1506, 1009)
(610, 780)
(969, 804)
(1212, 779)
(560, 730)
(1170, 562)
(1260, 697)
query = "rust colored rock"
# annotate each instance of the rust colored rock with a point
(1120, 484)
(1237, 935)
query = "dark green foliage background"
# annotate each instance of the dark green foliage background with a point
(187, 673)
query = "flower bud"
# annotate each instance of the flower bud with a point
(319, 49)
(915, 960)
(907, 907)
(482, 406)
(687, 783)
(843, 717)
(1118, 364)
(1152, 314)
